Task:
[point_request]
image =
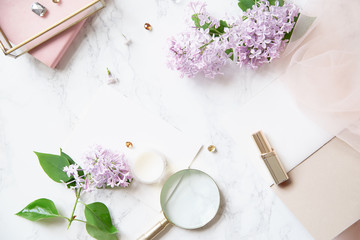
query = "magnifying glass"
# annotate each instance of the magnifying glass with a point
(189, 199)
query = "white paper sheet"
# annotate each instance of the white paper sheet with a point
(112, 120)
(293, 136)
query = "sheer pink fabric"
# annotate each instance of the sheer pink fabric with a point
(323, 71)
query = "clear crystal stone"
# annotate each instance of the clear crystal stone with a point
(38, 9)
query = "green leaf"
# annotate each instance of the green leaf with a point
(228, 51)
(71, 161)
(39, 209)
(272, 2)
(67, 157)
(220, 30)
(196, 20)
(96, 233)
(212, 30)
(246, 4)
(289, 34)
(53, 165)
(97, 214)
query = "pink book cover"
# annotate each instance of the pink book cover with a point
(19, 23)
(51, 51)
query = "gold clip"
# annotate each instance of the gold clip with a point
(270, 158)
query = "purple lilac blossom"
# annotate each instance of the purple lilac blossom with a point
(255, 38)
(195, 50)
(102, 168)
(260, 37)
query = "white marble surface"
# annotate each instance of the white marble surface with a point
(39, 108)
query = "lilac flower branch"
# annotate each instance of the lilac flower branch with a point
(102, 168)
(256, 38)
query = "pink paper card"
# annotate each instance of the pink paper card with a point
(323, 191)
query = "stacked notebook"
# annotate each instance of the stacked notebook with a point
(51, 52)
(19, 23)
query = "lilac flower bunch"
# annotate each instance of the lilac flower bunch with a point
(196, 50)
(258, 37)
(102, 168)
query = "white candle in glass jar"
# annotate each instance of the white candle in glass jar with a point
(149, 167)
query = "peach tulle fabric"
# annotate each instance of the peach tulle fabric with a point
(323, 71)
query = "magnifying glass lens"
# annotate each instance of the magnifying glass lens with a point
(190, 199)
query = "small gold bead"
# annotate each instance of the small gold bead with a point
(56, 1)
(147, 26)
(212, 148)
(129, 144)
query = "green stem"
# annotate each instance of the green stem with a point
(73, 211)
(79, 220)
(216, 31)
(202, 48)
(64, 217)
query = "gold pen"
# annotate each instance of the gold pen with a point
(270, 158)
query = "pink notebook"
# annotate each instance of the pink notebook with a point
(51, 51)
(20, 23)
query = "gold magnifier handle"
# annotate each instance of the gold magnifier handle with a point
(155, 230)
